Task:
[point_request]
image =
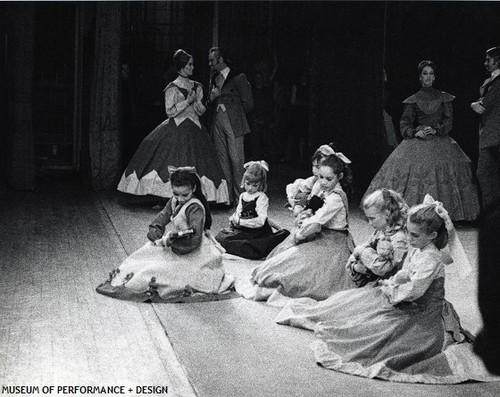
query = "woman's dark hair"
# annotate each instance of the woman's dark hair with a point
(181, 59)
(425, 63)
(186, 178)
(341, 169)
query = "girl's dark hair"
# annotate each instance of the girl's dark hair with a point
(390, 201)
(341, 169)
(318, 154)
(426, 217)
(181, 58)
(185, 178)
(425, 63)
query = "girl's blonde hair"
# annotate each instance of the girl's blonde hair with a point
(390, 201)
(256, 172)
(426, 217)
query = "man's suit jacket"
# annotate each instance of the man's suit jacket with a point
(489, 132)
(236, 95)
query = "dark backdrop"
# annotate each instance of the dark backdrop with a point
(344, 45)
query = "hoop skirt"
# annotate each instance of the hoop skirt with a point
(180, 145)
(436, 166)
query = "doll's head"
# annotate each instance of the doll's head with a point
(425, 225)
(334, 169)
(255, 176)
(385, 209)
(185, 185)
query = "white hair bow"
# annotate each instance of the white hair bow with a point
(262, 163)
(454, 252)
(328, 151)
(440, 210)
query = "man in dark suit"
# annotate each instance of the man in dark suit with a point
(230, 96)
(488, 106)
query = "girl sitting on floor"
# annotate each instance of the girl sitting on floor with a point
(249, 234)
(311, 261)
(394, 330)
(181, 262)
(383, 254)
(298, 191)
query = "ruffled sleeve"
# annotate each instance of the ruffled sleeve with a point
(175, 102)
(235, 217)
(300, 185)
(293, 188)
(333, 205)
(199, 108)
(311, 226)
(418, 273)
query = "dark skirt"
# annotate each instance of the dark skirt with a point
(436, 166)
(251, 243)
(180, 145)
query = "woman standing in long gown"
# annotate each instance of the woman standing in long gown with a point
(181, 140)
(428, 160)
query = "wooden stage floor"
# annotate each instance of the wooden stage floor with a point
(60, 241)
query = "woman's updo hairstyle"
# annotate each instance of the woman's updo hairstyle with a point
(181, 59)
(425, 63)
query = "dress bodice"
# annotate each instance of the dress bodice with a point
(333, 214)
(249, 208)
(428, 107)
(176, 105)
(179, 218)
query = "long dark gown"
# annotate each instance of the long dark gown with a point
(181, 140)
(435, 165)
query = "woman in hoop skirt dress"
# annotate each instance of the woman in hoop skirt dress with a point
(428, 160)
(181, 140)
